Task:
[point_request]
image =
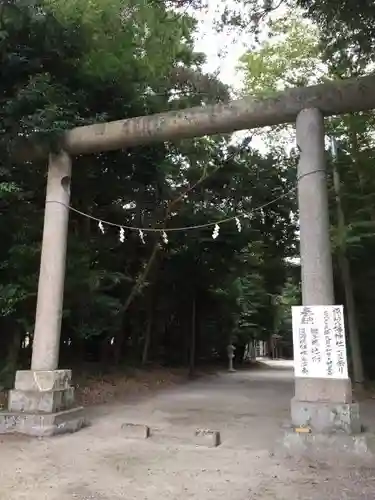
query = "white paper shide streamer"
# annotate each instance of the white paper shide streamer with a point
(101, 227)
(163, 234)
(215, 232)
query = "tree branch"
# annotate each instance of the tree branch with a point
(143, 276)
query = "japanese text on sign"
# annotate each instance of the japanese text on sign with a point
(319, 342)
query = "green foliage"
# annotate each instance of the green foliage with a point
(289, 58)
(289, 297)
(345, 26)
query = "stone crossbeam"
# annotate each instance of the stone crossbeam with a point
(332, 98)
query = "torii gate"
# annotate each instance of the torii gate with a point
(42, 402)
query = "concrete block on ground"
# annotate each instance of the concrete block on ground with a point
(207, 437)
(323, 390)
(135, 431)
(50, 401)
(42, 424)
(46, 380)
(325, 417)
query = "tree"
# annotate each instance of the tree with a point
(290, 57)
(345, 25)
(348, 25)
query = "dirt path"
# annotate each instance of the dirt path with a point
(248, 408)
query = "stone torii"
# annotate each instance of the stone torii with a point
(42, 402)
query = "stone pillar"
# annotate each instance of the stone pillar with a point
(42, 402)
(316, 260)
(326, 404)
(52, 266)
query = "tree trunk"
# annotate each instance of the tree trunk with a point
(8, 372)
(118, 346)
(270, 347)
(253, 352)
(354, 151)
(193, 332)
(239, 354)
(105, 352)
(344, 265)
(146, 345)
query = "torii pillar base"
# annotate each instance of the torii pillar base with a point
(324, 406)
(42, 404)
(325, 425)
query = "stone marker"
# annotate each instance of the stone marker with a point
(136, 431)
(230, 352)
(207, 437)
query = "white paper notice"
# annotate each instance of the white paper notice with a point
(319, 342)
